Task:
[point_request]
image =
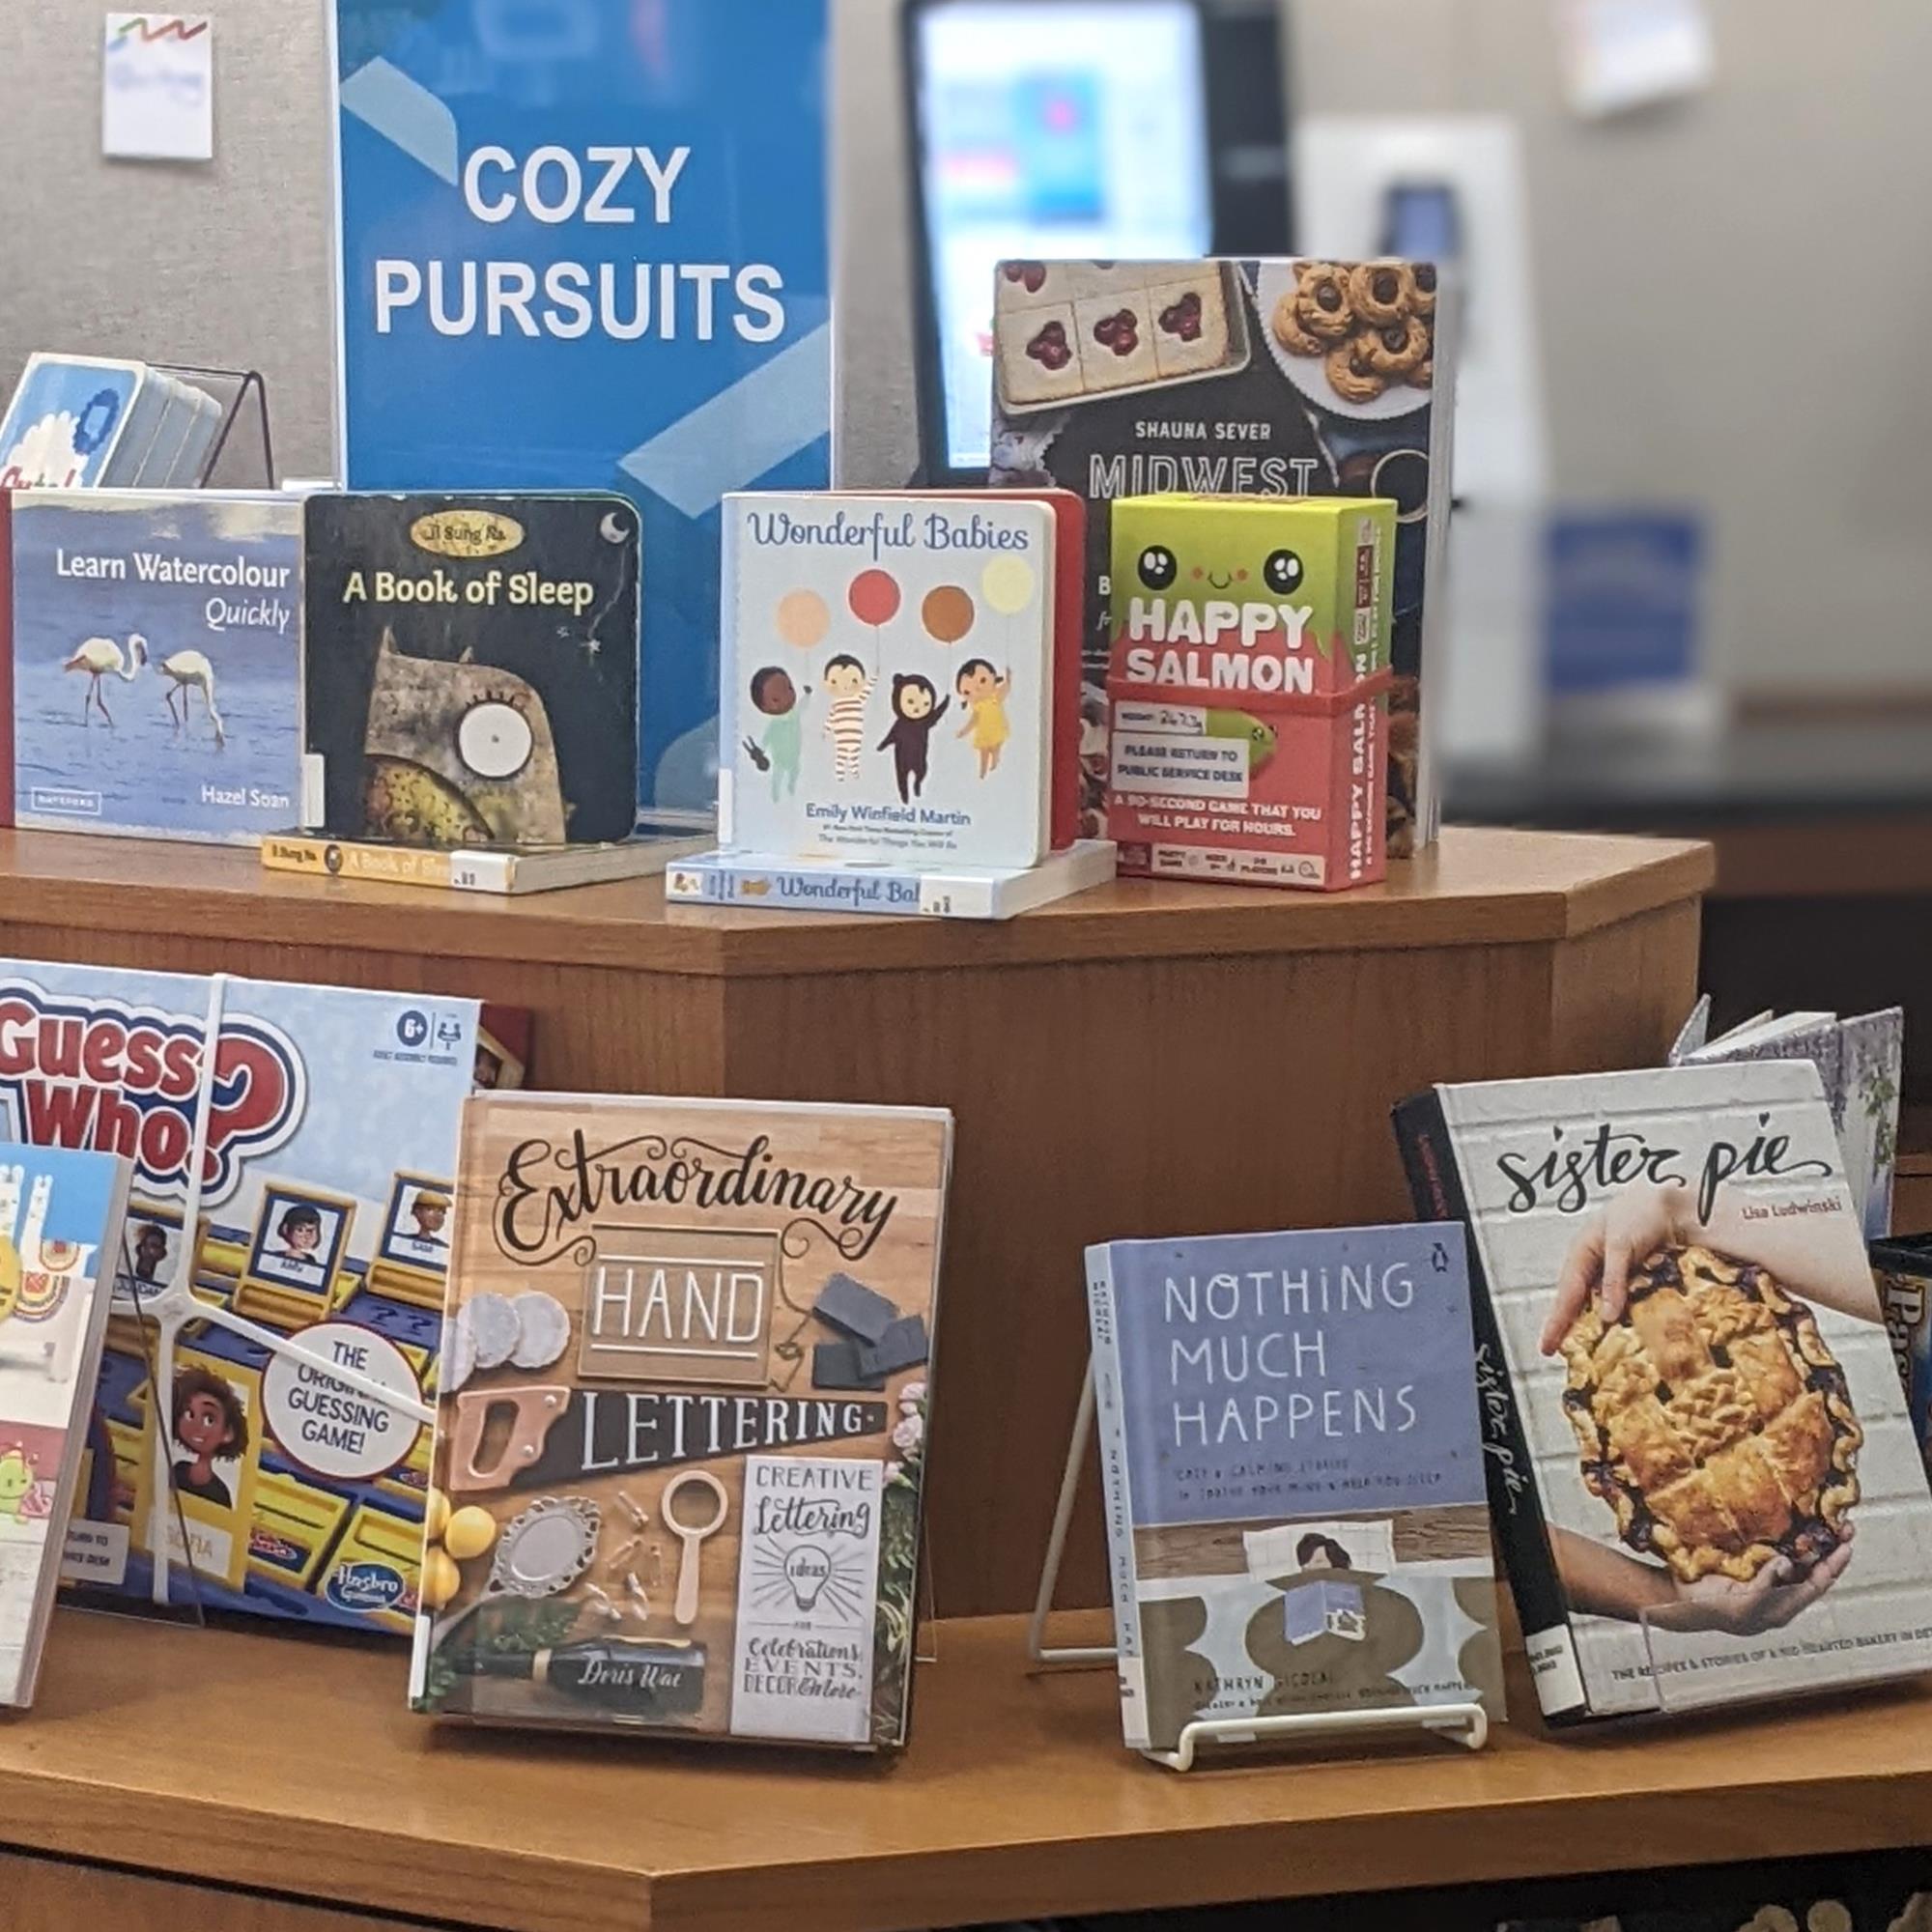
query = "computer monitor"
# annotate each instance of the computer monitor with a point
(1109, 129)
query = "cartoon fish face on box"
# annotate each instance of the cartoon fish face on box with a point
(1250, 598)
(1250, 653)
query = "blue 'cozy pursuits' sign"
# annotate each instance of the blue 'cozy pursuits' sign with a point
(582, 245)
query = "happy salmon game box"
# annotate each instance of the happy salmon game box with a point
(263, 1409)
(1286, 377)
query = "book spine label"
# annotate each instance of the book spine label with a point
(383, 864)
(900, 894)
(1110, 1422)
(1436, 1187)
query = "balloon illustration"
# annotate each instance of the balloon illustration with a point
(874, 598)
(1008, 584)
(803, 618)
(946, 613)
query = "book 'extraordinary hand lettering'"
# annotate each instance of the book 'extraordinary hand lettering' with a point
(1294, 1479)
(681, 1440)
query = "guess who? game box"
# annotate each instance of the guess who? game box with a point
(1248, 688)
(289, 1281)
(681, 1440)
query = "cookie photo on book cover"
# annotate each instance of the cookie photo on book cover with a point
(472, 667)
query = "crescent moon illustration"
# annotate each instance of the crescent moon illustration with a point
(613, 528)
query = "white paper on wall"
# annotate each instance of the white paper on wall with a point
(1621, 54)
(157, 87)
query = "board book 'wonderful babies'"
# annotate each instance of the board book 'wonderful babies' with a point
(887, 678)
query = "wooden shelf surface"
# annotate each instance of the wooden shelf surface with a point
(285, 1764)
(1478, 887)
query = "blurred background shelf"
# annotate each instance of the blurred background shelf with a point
(1821, 828)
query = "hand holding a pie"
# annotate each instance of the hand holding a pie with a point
(1609, 1244)
(1608, 1583)
(1770, 1600)
(1612, 1244)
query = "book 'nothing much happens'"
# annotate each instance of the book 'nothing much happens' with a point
(1293, 1476)
(1700, 1457)
(153, 641)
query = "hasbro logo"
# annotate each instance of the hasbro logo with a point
(366, 1586)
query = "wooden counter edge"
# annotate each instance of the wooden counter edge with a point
(315, 1859)
(224, 893)
(1562, 1836)
(1480, 1840)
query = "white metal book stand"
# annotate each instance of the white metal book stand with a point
(1465, 1724)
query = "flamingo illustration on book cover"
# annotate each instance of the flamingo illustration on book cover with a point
(154, 645)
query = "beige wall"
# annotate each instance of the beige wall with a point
(1734, 292)
(224, 264)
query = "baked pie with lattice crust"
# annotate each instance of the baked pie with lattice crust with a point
(1713, 1419)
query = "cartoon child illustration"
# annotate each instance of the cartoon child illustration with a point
(916, 708)
(151, 1250)
(300, 1232)
(430, 1210)
(984, 693)
(850, 684)
(208, 1422)
(777, 752)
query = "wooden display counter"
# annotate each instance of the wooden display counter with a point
(279, 1765)
(1140, 1059)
